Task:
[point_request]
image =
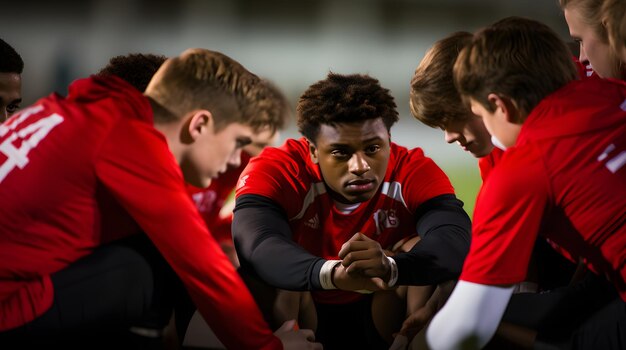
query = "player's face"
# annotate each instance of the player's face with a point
(260, 140)
(471, 134)
(352, 158)
(593, 49)
(212, 153)
(496, 123)
(10, 94)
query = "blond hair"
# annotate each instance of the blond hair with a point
(591, 14)
(614, 17)
(205, 79)
(591, 11)
(269, 106)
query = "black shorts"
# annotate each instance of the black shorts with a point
(99, 297)
(605, 329)
(585, 315)
(348, 326)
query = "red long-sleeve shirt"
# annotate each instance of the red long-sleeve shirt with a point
(56, 159)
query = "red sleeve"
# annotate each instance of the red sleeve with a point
(421, 178)
(221, 229)
(280, 174)
(507, 218)
(138, 168)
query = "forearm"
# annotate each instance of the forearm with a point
(284, 266)
(431, 261)
(216, 289)
(469, 318)
(179, 233)
(430, 301)
(263, 241)
(437, 299)
(434, 301)
(445, 230)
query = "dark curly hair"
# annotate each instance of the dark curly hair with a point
(344, 99)
(11, 61)
(136, 68)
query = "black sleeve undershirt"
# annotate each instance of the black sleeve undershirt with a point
(445, 231)
(264, 245)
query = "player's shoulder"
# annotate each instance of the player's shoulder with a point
(279, 172)
(520, 167)
(122, 100)
(408, 161)
(290, 149)
(291, 159)
(402, 154)
(520, 155)
(291, 152)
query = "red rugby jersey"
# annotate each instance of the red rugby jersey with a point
(289, 177)
(488, 162)
(57, 157)
(565, 179)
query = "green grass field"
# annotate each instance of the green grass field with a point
(466, 181)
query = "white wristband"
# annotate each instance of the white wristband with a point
(394, 272)
(326, 274)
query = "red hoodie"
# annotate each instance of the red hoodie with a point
(564, 179)
(53, 157)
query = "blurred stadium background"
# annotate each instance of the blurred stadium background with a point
(293, 43)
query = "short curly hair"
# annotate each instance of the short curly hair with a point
(136, 68)
(344, 99)
(11, 61)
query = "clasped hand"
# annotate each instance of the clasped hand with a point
(364, 265)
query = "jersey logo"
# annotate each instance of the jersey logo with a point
(384, 219)
(205, 200)
(615, 162)
(313, 222)
(29, 137)
(242, 181)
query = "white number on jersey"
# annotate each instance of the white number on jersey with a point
(31, 135)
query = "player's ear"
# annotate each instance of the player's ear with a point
(200, 121)
(505, 108)
(313, 151)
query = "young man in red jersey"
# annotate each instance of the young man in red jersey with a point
(11, 67)
(72, 267)
(435, 102)
(551, 278)
(562, 177)
(214, 202)
(322, 212)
